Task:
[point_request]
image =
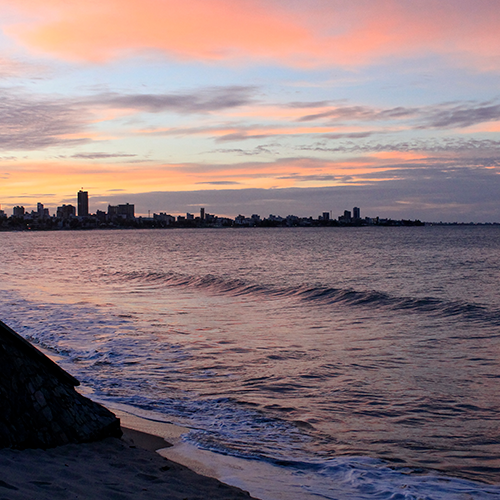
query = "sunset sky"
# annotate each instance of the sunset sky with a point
(253, 106)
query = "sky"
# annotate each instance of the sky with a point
(253, 106)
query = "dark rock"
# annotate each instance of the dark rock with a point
(39, 406)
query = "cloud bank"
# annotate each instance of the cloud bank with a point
(413, 191)
(331, 32)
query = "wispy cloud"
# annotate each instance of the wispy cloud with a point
(308, 104)
(450, 144)
(11, 68)
(315, 178)
(30, 123)
(348, 135)
(101, 156)
(243, 136)
(361, 113)
(247, 152)
(444, 115)
(220, 183)
(33, 122)
(462, 115)
(204, 100)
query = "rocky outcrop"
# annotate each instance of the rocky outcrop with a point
(39, 406)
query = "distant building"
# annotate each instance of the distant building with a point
(101, 216)
(275, 218)
(112, 211)
(163, 217)
(325, 216)
(126, 211)
(356, 213)
(83, 203)
(18, 211)
(41, 211)
(202, 213)
(189, 216)
(66, 211)
(346, 218)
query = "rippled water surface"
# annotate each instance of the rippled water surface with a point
(316, 350)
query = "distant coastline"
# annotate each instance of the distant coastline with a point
(122, 216)
(89, 223)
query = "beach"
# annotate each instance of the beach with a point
(126, 468)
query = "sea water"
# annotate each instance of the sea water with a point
(338, 363)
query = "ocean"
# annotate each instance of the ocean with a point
(338, 363)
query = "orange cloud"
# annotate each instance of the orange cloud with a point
(491, 127)
(397, 155)
(23, 183)
(213, 29)
(318, 32)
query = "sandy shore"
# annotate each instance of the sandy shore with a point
(110, 469)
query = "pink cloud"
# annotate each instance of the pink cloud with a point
(301, 34)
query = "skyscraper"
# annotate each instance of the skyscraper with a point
(356, 213)
(83, 203)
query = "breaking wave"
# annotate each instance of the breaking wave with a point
(316, 295)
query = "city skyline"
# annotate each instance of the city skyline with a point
(123, 215)
(82, 210)
(253, 106)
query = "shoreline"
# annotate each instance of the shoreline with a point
(258, 478)
(126, 468)
(135, 467)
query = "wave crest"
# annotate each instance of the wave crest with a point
(317, 295)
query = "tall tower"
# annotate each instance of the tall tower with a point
(83, 203)
(356, 213)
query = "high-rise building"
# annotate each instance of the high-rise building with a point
(356, 213)
(83, 203)
(18, 211)
(41, 211)
(202, 213)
